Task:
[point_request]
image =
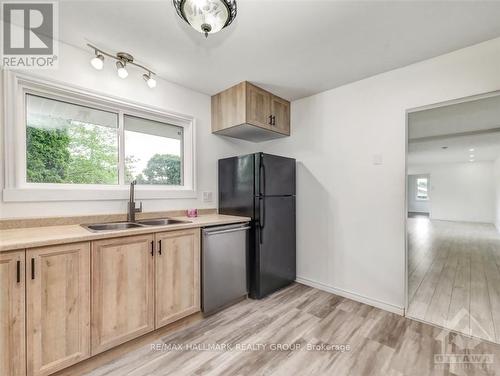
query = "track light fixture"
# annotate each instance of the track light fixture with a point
(122, 60)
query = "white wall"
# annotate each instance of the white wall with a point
(496, 177)
(461, 191)
(414, 205)
(74, 68)
(351, 213)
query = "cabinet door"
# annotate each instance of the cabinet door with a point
(177, 275)
(122, 290)
(228, 108)
(12, 308)
(58, 312)
(258, 106)
(280, 109)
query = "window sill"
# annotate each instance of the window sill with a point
(43, 194)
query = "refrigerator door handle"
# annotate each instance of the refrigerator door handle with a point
(262, 218)
(262, 177)
(262, 212)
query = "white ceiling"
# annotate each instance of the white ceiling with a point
(459, 127)
(486, 148)
(294, 48)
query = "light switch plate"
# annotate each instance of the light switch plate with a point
(378, 159)
(208, 196)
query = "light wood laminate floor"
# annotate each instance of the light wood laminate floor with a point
(381, 343)
(454, 276)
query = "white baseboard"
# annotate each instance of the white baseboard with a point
(351, 295)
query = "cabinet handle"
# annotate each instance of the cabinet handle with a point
(159, 247)
(18, 271)
(274, 120)
(32, 268)
(271, 119)
(152, 248)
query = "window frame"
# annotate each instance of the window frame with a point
(416, 188)
(16, 188)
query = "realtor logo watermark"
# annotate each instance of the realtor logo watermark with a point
(29, 34)
(459, 353)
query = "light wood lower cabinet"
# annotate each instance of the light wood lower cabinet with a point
(177, 276)
(61, 304)
(12, 314)
(57, 312)
(122, 290)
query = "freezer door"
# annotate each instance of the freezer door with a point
(275, 176)
(274, 258)
(236, 186)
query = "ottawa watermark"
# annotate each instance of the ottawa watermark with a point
(459, 352)
(29, 34)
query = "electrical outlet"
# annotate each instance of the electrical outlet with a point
(208, 196)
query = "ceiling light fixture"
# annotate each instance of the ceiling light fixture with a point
(471, 150)
(471, 156)
(122, 60)
(206, 16)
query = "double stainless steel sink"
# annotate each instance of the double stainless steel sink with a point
(118, 226)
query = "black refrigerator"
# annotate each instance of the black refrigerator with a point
(262, 186)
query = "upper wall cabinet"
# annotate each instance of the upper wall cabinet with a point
(250, 113)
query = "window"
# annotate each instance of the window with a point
(422, 188)
(63, 143)
(71, 144)
(153, 152)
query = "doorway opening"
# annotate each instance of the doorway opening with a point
(453, 216)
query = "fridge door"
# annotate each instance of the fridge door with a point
(275, 176)
(236, 186)
(274, 260)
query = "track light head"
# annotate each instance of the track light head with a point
(121, 70)
(149, 80)
(98, 61)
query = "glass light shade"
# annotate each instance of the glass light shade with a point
(121, 70)
(207, 16)
(149, 80)
(151, 83)
(98, 62)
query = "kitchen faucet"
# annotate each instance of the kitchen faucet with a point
(132, 209)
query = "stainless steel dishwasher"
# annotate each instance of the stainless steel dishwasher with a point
(224, 260)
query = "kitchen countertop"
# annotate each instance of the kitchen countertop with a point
(20, 238)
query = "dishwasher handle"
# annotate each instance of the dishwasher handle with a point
(207, 233)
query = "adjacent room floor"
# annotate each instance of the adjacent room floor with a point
(454, 275)
(278, 333)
